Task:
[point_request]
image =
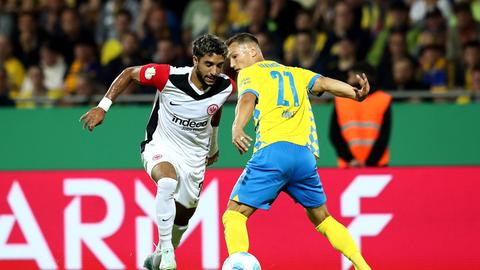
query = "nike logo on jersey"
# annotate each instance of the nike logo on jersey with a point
(165, 219)
(174, 104)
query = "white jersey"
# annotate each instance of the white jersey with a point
(180, 119)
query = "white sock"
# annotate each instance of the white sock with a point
(177, 234)
(165, 209)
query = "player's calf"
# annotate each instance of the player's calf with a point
(338, 236)
(236, 235)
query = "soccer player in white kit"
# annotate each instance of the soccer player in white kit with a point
(181, 135)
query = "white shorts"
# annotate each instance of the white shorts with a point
(190, 178)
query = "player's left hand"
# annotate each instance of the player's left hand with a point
(241, 140)
(212, 159)
(362, 93)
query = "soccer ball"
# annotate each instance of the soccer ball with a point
(241, 261)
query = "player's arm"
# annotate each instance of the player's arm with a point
(213, 153)
(243, 113)
(95, 116)
(151, 74)
(342, 89)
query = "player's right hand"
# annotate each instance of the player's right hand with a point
(241, 140)
(93, 118)
(362, 93)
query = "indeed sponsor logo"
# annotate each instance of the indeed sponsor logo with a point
(189, 122)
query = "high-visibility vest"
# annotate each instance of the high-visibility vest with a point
(360, 124)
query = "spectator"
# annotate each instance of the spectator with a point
(324, 14)
(434, 31)
(90, 12)
(319, 38)
(130, 56)
(434, 68)
(404, 75)
(259, 22)
(13, 66)
(303, 22)
(368, 15)
(54, 68)
(168, 53)
(344, 27)
(343, 60)
(85, 62)
(50, 16)
(195, 20)
(466, 73)
(107, 24)
(157, 28)
(28, 39)
(5, 100)
(280, 13)
(84, 91)
(397, 20)
(237, 13)
(38, 95)
(72, 33)
(305, 55)
(113, 46)
(396, 49)
(466, 30)
(176, 9)
(27, 6)
(267, 47)
(360, 132)
(470, 60)
(420, 8)
(219, 24)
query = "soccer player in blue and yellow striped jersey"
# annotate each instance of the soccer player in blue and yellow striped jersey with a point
(286, 146)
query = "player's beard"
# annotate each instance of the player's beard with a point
(201, 78)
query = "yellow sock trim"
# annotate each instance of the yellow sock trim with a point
(236, 235)
(342, 241)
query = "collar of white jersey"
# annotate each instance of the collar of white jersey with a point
(194, 87)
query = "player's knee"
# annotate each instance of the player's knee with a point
(318, 214)
(163, 170)
(240, 208)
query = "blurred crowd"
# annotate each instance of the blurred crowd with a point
(53, 49)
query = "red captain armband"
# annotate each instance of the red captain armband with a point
(232, 82)
(155, 75)
(234, 87)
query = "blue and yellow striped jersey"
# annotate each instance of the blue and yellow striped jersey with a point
(283, 111)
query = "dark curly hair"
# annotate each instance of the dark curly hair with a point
(209, 44)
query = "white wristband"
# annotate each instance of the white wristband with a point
(105, 104)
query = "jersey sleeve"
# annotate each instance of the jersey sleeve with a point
(155, 75)
(247, 82)
(309, 77)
